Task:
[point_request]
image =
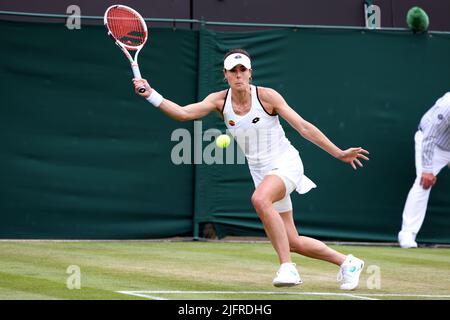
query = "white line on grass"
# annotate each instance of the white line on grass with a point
(135, 293)
(143, 293)
(363, 296)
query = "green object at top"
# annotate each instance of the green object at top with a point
(417, 19)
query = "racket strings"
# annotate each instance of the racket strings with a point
(126, 27)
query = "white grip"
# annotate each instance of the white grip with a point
(137, 75)
(136, 72)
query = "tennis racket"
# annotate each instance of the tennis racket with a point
(129, 31)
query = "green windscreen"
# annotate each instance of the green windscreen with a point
(360, 88)
(83, 157)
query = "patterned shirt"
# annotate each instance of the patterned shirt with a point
(435, 125)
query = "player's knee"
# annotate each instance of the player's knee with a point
(260, 203)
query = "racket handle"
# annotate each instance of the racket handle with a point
(137, 76)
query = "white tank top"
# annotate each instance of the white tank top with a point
(258, 133)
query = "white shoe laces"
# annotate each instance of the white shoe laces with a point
(282, 267)
(343, 273)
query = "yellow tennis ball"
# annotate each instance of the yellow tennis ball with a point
(223, 141)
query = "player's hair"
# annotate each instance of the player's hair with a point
(237, 50)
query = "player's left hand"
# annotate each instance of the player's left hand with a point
(351, 156)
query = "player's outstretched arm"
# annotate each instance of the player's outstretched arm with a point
(310, 132)
(172, 109)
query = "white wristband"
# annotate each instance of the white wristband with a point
(155, 98)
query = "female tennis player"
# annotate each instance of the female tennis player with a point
(275, 165)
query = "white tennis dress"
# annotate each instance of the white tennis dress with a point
(263, 141)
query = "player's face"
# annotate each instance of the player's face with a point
(238, 77)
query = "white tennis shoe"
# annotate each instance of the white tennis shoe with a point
(287, 276)
(349, 272)
(406, 240)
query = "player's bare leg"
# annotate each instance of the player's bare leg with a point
(271, 190)
(350, 266)
(307, 246)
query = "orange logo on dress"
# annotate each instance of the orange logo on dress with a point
(231, 123)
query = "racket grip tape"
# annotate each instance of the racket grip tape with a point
(137, 76)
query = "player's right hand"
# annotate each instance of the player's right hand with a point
(427, 180)
(138, 84)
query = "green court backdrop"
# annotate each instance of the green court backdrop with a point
(82, 157)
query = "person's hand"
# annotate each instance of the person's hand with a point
(139, 83)
(427, 180)
(351, 156)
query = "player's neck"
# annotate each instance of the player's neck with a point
(242, 96)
